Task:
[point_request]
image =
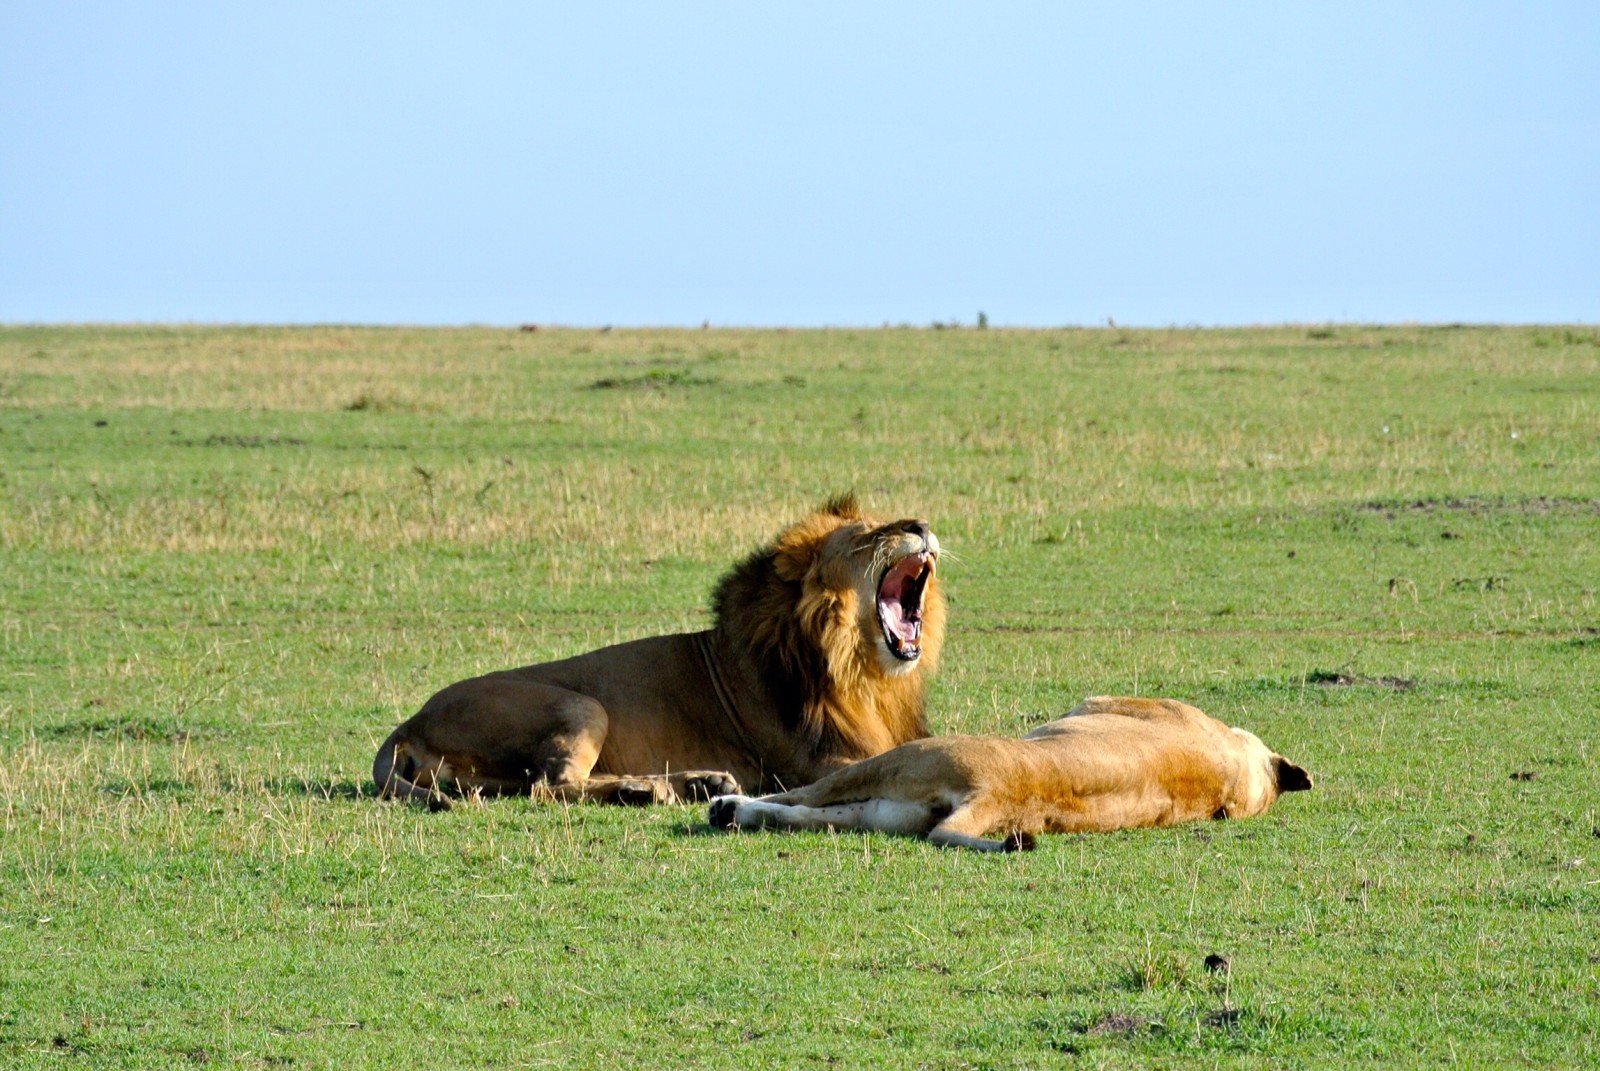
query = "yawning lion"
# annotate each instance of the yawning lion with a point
(1110, 764)
(818, 657)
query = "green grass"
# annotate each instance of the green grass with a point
(233, 559)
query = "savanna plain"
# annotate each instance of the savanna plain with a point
(231, 560)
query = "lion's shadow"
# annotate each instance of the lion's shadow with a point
(321, 788)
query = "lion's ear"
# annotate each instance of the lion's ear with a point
(1290, 778)
(797, 549)
(792, 562)
(843, 506)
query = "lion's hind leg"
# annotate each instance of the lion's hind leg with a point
(495, 736)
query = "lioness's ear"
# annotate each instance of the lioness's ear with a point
(1290, 777)
(843, 506)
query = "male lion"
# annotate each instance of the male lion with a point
(1111, 763)
(821, 646)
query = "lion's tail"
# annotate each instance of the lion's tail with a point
(392, 770)
(383, 766)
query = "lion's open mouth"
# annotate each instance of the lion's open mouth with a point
(900, 605)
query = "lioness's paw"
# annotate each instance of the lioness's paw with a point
(724, 809)
(1018, 842)
(708, 785)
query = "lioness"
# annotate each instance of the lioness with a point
(1111, 763)
(821, 645)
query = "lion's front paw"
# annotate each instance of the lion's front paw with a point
(639, 793)
(724, 809)
(703, 785)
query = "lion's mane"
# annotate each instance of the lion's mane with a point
(796, 610)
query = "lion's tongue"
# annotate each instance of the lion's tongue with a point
(895, 620)
(906, 627)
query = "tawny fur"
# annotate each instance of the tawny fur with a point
(1111, 763)
(796, 678)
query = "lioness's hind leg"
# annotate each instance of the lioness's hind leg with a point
(965, 827)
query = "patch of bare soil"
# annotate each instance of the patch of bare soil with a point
(1324, 679)
(1536, 505)
(1118, 1024)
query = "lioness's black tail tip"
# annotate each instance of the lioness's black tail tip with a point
(1018, 841)
(722, 813)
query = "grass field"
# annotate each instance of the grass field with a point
(233, 559)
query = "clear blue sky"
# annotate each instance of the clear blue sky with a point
(803, 164)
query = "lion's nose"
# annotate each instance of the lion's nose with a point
(918, 529)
